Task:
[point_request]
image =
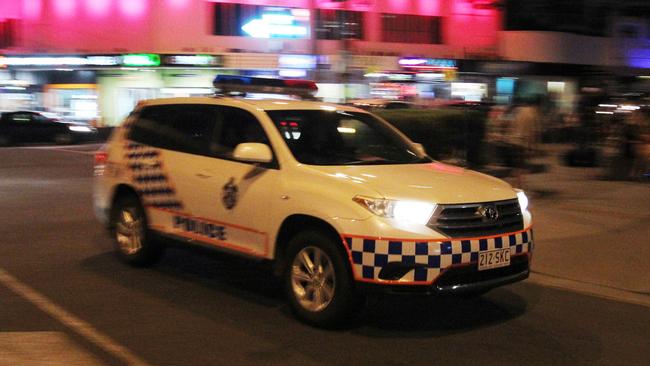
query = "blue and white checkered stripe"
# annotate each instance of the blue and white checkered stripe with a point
(149, 179)
(369, 256)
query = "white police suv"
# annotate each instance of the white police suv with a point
(339, 200)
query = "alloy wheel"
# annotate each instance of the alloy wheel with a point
(129, 231)
(312, 279)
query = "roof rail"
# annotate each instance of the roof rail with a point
(241, 85)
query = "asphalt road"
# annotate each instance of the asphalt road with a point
(65, 299)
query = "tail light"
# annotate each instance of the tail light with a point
(101, 157)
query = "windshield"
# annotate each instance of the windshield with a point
(319, 137)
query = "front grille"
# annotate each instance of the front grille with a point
(466, 220)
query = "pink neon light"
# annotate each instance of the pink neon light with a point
(429, 7)
(294, 4)
(32, 9)
(97, 8)
(399, 6)
(178, 4)
(134, 8)
(65, 8)
(473, 7)
(10, 10)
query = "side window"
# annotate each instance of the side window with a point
(193, 127)
(182, 127)
(238, 126)
(147, 128)
(20, 117)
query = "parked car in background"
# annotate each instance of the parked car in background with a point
(29, 126)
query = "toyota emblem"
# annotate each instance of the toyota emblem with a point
(489, 212)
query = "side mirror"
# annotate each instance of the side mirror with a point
(419, 148)
(253, 152)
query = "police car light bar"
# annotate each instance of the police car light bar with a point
(235, 84)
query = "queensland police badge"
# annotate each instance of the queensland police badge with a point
(229, 194)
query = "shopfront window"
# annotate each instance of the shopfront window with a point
(74, 102)
(339, 24)
(404, 28)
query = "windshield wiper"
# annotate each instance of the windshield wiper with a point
(372, 162)
(424, 159)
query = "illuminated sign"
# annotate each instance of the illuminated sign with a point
(43, 61)
(192, 60)
(292, 73)
(427, 63)
(35, 61)
(141, 59)
(297, 61)
(279, 23)
(103, 60)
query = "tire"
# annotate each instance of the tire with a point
(5, 140)
(317, 281)
(133, 241)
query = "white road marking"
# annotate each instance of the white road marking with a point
(67, 148)
(42, 349)
(69, 320)
(77, 151)
(585, 288)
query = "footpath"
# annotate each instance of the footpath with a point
(591, 234)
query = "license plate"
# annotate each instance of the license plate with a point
(493, 259)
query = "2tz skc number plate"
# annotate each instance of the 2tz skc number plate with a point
(493, 259)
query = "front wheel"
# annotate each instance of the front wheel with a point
(317, 281)
(134, 245)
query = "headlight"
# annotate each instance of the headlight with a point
(80, 129)
(523, 200)
(408, 211)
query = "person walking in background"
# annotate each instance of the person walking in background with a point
(523, 137)
(638, 133)
(495, 133)
(630, 135)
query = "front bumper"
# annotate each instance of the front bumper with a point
(437, 266)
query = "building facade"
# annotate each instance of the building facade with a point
(349, 46)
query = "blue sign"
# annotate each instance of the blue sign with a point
(279, 23)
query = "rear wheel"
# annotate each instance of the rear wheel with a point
(134, 243)
(5, 140)
(317, 281)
